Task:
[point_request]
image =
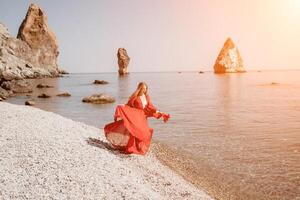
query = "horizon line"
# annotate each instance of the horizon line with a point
(182, 71)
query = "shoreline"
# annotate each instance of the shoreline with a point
(202, 176)
(207, 177)
(45, 155)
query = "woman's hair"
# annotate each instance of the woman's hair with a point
(138, 90)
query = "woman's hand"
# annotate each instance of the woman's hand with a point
(159, 112)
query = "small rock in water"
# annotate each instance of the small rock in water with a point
(29, 103)
(100, 82)
(201, 72)
(64, 94)
(274, 83)
(43, 96)
(42, 85)
(99, 99)
(62, 71)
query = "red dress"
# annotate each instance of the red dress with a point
(131, 133)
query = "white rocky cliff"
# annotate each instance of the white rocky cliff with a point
(33, 54)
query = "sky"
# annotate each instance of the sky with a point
(166, 35)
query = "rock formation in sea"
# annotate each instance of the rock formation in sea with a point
(33, 54)
(100, 82)
(62, 71)
(43, 95)
(229, 59)
(64, 94)
(99, 99)
(123, 61)
(42, 85)
(35, 32)
(17, 86)
(29, 103)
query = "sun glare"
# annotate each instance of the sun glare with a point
(296, 4)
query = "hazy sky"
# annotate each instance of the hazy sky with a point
(167, 35)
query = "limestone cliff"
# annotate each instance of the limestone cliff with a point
(33, 54)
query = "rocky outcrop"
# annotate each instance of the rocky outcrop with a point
(4, 93)
(17, 86)
(33, 54)
(43, 95)
(62, 71)
(42, 85)
(64, 94)
(29, 103)
(229, 59)
(101, 82)
(123, 61)
(35, 32)
(99, 99)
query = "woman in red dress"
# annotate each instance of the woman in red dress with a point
(130, 132)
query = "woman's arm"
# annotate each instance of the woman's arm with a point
(153, 112)
(150, 106)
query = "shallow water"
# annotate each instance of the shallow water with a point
(242, 128)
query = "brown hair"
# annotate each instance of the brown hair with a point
(138, 90)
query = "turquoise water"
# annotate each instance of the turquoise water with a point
(242, 126)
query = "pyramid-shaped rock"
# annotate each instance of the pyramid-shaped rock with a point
(229, 59)
(35, 32)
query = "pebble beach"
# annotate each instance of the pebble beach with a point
(46, 156)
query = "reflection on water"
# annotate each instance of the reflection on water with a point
(242, 126)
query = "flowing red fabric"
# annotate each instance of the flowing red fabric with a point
(131, 132)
